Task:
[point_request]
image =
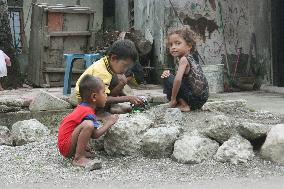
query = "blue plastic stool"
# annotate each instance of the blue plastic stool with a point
(69, 59)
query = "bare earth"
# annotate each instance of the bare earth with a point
(39, 165)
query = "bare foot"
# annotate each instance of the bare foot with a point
(89, 154)
(81, 162)
(183, 106)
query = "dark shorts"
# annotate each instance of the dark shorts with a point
(185, 93)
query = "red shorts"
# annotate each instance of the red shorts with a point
(64, 146)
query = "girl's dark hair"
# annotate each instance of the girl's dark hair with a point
(185, 33)
(123, 49)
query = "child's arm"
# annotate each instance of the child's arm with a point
(177, 82)
(111, 120)
(120, 99)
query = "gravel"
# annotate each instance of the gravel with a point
(40, 162)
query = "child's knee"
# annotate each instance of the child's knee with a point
(87, 126)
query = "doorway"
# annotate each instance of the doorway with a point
(277, 22)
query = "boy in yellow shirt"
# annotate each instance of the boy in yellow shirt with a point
(120, 57)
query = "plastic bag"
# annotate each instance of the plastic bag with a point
(3, 66)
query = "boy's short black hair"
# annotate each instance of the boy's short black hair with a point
(123, 49)
(88, 85)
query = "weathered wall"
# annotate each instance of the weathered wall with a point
(150, 19)
(96, 5)
(240, 18)
(121, 15)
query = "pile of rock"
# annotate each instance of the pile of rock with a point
(23, 132)
(159, 134)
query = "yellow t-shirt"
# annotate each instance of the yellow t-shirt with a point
(100, 69)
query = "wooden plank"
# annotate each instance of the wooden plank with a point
(55, 21)
(76, 22)
(69, 33)
(70, 11)
(62, 70)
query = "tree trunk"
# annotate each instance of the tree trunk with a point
(6, 44)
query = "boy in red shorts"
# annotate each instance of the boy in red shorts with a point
(81, 125)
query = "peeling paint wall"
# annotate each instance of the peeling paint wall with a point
(240, 18)
(148, 18)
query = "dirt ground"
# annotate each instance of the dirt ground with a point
(39, 165)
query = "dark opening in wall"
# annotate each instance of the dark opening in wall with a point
(277, 21)
(109, 15)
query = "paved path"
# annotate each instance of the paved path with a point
(259, 100)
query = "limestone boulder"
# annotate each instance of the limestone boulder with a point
(27, 131)
(252, 131)
(125, 137)
(225, 106)
(173, 116)
(236, 150)
(5, 136)
(159, 142)
(194, 149)
(220, 128)
(44, 101)
(273, 147)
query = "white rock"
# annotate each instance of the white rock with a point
(5, 136)
(219, 128)
(45, 101)
(72, 99)
(252, 131)
(226, 106)
(235, 150)
(27, 131)
(173, 116)
(194, 149)
(159, 142)
(125, 137)
(273, 147)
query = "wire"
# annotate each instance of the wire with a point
(176, 12)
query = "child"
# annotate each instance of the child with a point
(188, 90)
(119, 59)
(81, 125)
(4, 62)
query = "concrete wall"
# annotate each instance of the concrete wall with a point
(96, 5)
(121, 15)
(150, 19)
(240, 18)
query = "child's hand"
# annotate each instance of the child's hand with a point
(165, 74)
(173, 103)
(135, 100)
(111, 120)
